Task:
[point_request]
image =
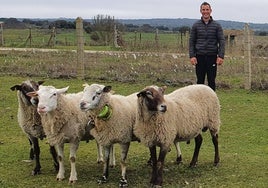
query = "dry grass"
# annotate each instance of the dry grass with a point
(128, 67)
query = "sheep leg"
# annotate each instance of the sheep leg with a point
(73, 150)
(154, 164)
(216, 147)
(198, 142)
(31, 150)
(160, 165)
(124, 152)
(105, 175)
(36, 151)
(178, 150)
(112, 157)
(55, 157)
(100, 154)
(150, 162)
(60, 150)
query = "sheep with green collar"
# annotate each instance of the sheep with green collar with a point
(114, 118)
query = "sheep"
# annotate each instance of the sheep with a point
(114, 117)
(30, 122)
(179, 116)
(63, 122)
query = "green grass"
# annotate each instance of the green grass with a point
(242, 142)
(66, 39)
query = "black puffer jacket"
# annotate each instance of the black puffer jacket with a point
(206, 39)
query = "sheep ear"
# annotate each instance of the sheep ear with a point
(140, 94)
(163, 88)
(16, 87)
(85, 85)
(107, 89)
(40, 82)
(62, 90)
(32, 94)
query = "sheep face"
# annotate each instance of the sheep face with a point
(48, 96)
(152, 98)
(92, 96)
(26, 87)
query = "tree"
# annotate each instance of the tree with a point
(63, 24)
(102, 30)
(147, 28)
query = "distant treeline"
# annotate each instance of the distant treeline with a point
(14, 23)
(139, 25)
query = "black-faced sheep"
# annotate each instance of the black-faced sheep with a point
(114, 117)
(63, 122)
(30, 122)
(178, 116)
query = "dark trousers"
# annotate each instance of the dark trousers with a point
(206, 65)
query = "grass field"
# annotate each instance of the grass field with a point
(242, 142)
(66, 39)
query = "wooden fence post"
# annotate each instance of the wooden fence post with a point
(29, 37)
(115, 37)
(187, 34)
(247, 55)
(52, 39)
(80, 68)
(156, 38)
(2, 34)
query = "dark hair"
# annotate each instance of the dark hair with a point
(205, 3)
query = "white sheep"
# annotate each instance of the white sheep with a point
(30, 122)
(63, 122)
(114, 117)
(178, 116)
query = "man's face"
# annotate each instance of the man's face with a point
(205, 10)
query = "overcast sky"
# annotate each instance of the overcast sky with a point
(254, 11)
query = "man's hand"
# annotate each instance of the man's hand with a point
(219, 61)
(193, 61)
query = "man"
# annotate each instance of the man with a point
(206, 48)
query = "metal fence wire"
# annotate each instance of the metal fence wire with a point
(166, 64)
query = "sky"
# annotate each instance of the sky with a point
(250, 11)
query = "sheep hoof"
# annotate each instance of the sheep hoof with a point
(123, 183)
(100, 161)
(36, 172)
(216, 164)
(71, 182)
(60, 179)
(179, 160)
(193, 165)
(150, 162)
(156, 186)
(102, 180)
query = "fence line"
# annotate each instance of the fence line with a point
(247, 69)
(247, 53)
(80, 48)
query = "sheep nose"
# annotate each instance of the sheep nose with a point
(163, 108)
(41, 109)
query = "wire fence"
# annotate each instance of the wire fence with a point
(140, 60)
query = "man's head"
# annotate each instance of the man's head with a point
(205, 10)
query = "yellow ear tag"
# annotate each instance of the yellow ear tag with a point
(105, 113)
